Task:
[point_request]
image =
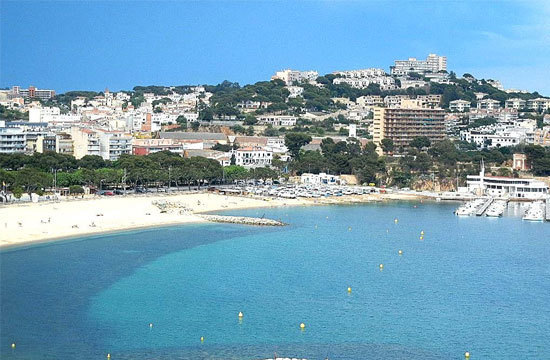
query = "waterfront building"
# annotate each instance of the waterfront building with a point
(251, 157)
(500, 186)
(407, 122)
(12, 139)
(294, 76)
(320, 179)
(433, 63)
(460, 105)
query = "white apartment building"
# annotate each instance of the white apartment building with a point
(515, 103)
(38, 114)
(385, 83)
(251, 157)
(459, 105)
(292, 76)
(362, 73)
(12, 140)
(277, 120)
(320, 179)
(433, 63)
(112, 144)
(409, 83)
(538, 104)
(369, 101)
(489, 140)
(488, 104)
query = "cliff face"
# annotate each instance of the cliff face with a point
(438, 185)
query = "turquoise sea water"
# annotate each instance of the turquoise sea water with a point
(472, 284)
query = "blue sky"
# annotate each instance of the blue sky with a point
(73, 45)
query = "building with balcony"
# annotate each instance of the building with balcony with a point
(294, 76)
(433, 64)
(459, 105)
(251, 157)
(31, 92)
(12, 139)
(405, 123)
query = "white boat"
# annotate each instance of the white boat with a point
(535, 212)
(496, 209)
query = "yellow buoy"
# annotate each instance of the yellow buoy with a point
(422, 232)
(240, 314)
(467, 355)
(150, 325)
(13, 345)
(400, 252)
(349, 228)
(302, 326)
(349, 289)
(381, 266)
(395, 220)
(202, 338)
(421, 237)
(108, 356)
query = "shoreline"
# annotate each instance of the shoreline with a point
(30, 224)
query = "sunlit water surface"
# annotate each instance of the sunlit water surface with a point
(471, 284)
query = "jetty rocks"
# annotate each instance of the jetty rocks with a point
(244, 220)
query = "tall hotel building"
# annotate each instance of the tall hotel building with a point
(404, 123)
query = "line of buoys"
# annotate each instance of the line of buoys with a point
(302, 326)
(467, 354)
(13, 345)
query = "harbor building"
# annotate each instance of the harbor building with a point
(508, 187)
(407, 122)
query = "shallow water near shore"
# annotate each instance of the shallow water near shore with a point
(471, 284)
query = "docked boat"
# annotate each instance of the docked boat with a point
(535, 212)
(496, 209)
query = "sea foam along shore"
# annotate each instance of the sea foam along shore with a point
(23, 224)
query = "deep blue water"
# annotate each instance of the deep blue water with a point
(472, 284)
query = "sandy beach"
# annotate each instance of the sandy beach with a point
(23, 224)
